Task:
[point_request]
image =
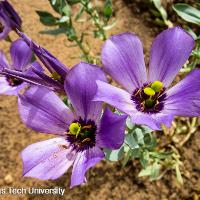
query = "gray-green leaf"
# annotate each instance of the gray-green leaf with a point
(47, 18)
(188, 13)
(114, 155)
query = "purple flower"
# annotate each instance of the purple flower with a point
(146, 97)
(9, 19)
(57, 69)
(82, 132)
(21, 56)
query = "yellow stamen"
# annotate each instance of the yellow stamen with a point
(149, 91)
(74, 129)
(157, 86)
(86, 140)
(88, 126)
(56, 76)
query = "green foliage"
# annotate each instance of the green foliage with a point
(152, 171)
(64, 22)
(161, 12)
(114, 155)
(192, 15)
(47, 18)
(141, 144)
(187, 12)
(108, 9)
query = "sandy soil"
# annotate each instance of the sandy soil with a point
(107, 180)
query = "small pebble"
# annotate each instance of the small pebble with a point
(8, 179)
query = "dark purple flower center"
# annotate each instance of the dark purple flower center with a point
(13, 81)
(149, 103)
(1, 27)
(82, 134)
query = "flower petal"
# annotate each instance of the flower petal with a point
(3, 61)
(170, 50)
(183, 99)
(114, 96)
(48, 159)
(35, 79)
(50, 62)
(123, 59)
(35, 65)
(83, 162)
(112, 130)
(11, 15)
(21, 54)
(42, 110)
(6, 89)
(6, 26)
(154, 121)
(80, 86)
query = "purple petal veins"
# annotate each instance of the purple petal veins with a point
(82, 132)
(49, 61)
(21, 56)
(9, 19)
(122, 58)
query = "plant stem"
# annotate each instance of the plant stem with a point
(95, 18)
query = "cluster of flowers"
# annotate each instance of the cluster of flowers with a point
(85, 128)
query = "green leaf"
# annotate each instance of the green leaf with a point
(109, 26)
(47, 18)
(54, 5)
(108, 10)
(146, 171)
(58, 5)
(139, 136)
(178, 174)
(74, 1)
(79, 14)
(148, 139)
(63, 19)
(188, 13)
(53, 2)
(71, 34)
(98, 34)
(155, 170)
(146, 129)
(126, 148)
(114, 155)
(151, 170)
(127, 157)
(130, 141)
(67, 10)
(53, 31)
(129, 124)
(136, 153)
(161, 9)
(161, 155)
(144, 159)
(192, 33)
